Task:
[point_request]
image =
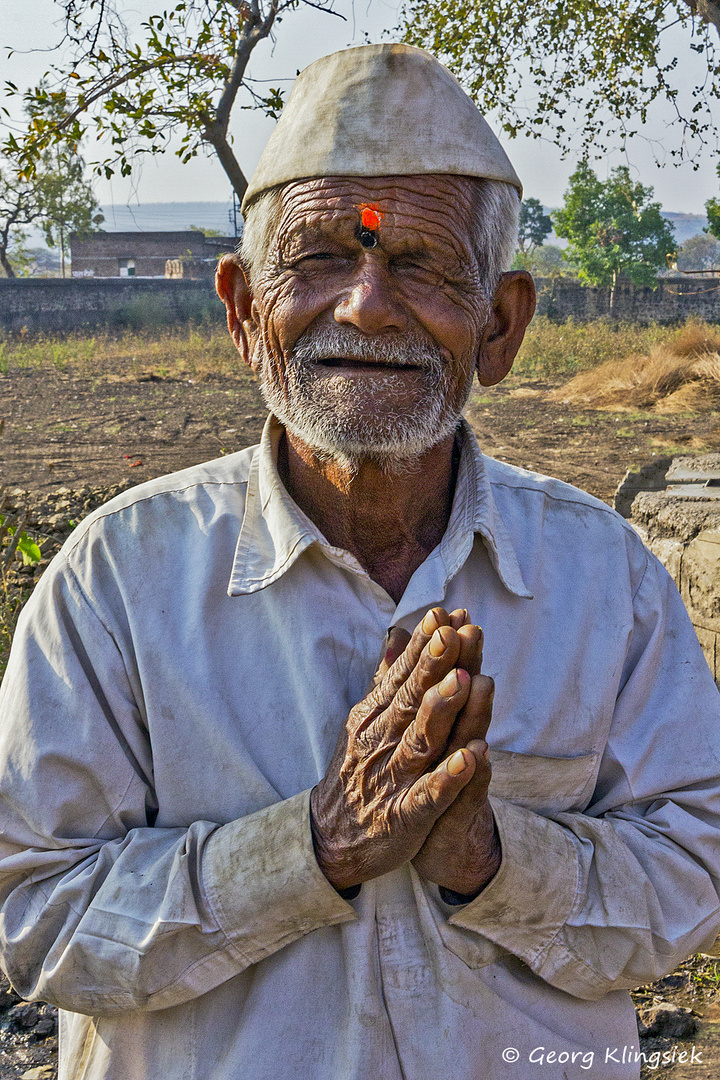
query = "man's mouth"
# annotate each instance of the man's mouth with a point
(347, 362)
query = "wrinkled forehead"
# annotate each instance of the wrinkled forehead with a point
(436, 208)
(432, 194)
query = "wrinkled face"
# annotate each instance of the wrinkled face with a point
(368, 314)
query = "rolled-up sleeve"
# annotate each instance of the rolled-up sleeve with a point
(619, 894)
(101, 909)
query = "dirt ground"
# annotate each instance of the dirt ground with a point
(60, 430)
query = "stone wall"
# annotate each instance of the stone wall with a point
(56, 305)
(683, 530)
(695, 568)
(674, 299)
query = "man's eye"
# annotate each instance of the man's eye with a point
(315, 256)
(418, 272)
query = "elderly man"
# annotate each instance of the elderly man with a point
(233, 846)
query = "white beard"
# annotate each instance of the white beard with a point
(391, 419)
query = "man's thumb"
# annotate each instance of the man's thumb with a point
(394, 645)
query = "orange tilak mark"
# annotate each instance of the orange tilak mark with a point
(370, 216)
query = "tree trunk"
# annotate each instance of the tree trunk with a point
(5, 263)
(709, 10)
(218, 140)
(612, 294)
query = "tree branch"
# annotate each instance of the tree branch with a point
(106, 88)
(320, 7)
(234, 82)
(709, 10)
(217, 137)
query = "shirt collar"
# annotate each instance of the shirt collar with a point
(275, 531)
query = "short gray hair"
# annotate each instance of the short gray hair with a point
(496, 206)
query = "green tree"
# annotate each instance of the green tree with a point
(613, 228)
(56, 198)
(549, 260)
(701, 252)
(181, 73)
(20, 205)
(712, 209)
(68, 203)
(579, 71)
(205, 232)
(534, 225)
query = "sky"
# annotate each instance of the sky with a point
(30, 28)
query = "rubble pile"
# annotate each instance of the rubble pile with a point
(28, 1037)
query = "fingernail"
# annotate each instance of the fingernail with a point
(437, 645)
(457, 764)
(450, 685)
(429, 623)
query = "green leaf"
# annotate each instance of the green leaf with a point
(29, 550)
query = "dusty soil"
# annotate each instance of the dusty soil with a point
(70, 442)
(64, 430)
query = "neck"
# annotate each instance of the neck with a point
(390, 521)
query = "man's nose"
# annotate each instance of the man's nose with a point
(371, 303)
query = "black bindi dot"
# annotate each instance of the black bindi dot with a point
(367, 237)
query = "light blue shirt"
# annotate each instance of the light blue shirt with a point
(176, 687)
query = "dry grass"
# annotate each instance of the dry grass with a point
(12, 598)
(198, 351)
(680, 374)
(551, 348)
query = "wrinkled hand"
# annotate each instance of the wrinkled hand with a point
(384, 789)
(462, 851)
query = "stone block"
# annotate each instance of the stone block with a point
(650, 477)
(708, 640)
(670, 554)
(700, 579)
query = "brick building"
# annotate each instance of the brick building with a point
(188, 254)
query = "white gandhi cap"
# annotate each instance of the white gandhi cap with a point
(379, 110)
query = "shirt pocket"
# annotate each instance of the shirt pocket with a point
(547, 785)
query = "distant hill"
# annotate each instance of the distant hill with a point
(686, 225)
(169, 217)
(151, 217)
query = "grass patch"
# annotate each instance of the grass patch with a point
(200, 350)
(704, 972)
(678, 374)
(551, 348)
(196, 351)
(694, 446)
(16, 548)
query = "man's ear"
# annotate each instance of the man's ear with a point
(233, 288)
(513, 308)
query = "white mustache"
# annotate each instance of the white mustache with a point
(332, 343)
